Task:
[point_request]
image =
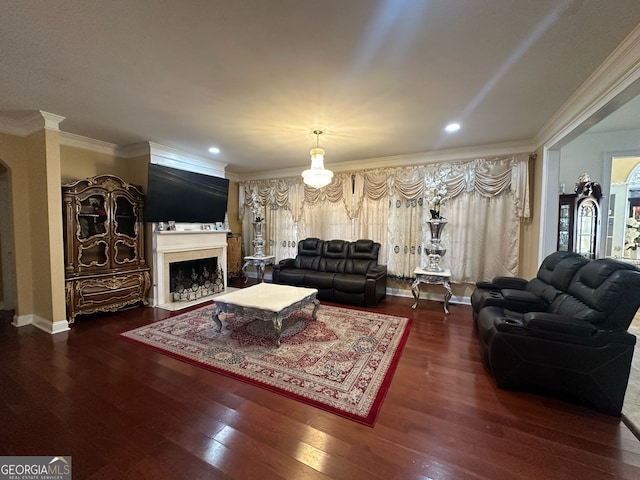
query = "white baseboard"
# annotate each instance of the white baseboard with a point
(41, 323)
(457, 299)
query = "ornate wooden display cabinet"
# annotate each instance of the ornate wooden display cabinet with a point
(105, 268)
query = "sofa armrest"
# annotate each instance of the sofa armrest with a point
(552, 322)
(286, 263)
(521, 301)
(486, 285)
(377, 271)
(515, 283)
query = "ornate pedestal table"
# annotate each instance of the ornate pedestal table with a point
(260, 262)
(266, 301)
(432, 278)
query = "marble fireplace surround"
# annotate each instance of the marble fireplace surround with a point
(187, 242)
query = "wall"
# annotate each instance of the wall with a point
(45, 216)
(7, 271)
(590, 151)
(13, 155)
(622, 168)
(530, 228)
(77, 163)
(232, 208)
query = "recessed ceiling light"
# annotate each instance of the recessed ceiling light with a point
(452, 127)
(214, 150)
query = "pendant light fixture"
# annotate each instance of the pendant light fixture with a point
(317, 176)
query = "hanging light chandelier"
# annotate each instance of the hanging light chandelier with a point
(317, 176)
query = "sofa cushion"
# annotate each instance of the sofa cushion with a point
(319, 280)
(293, 276)
(602, 293)
(309, 251)
(334, 256)
(363, 255)
(352, 283)
(549, 264)
(364, 246)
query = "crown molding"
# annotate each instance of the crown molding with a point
(157, 153)
(30, 123)
(409, 160)
(86, 143)
(234, 177)
(171, 157)
(615, 81)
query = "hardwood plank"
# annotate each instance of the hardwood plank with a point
(125, 411)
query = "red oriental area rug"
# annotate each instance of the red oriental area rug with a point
(342, 362)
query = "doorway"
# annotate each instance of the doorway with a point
(624, 209)
(7, 263)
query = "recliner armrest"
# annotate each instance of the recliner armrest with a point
(377, 271)
(515, 283)
(552, 322)
(522, 301)
(489, 286)
(285, 263)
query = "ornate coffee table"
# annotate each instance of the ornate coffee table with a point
(266, 301)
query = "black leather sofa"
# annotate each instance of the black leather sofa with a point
(578, 347)
(520, 295)
(342, 271)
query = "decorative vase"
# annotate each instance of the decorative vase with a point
(435, 250)
(258, 241)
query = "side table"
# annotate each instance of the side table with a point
(260, 263)
(432, 278)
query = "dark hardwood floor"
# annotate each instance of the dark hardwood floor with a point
(124, 411)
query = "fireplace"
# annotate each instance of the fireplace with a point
(188, 246)
(194, 279)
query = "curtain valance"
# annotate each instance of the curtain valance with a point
(486, 177)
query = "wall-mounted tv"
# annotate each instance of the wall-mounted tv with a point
(182, 196)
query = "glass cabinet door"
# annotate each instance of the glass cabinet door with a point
(563, 231)
(586, 227)
(91, 231)
(125, 230)
(566, 222)
(125, 218)
(92, 217)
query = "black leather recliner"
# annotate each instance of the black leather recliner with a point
(342, 271)
(520, 295)
(579, 348)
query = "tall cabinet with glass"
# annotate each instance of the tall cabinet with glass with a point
(105, 266)
(579, 220)
(566, 218)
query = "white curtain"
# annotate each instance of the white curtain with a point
(326, 220)
(482, 237)
(406, 236)
(485, 202)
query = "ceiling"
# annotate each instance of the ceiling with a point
(256, 77)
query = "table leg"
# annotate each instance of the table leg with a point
(447, 295)
(216, 318)
(261, 268)
(277, 325)
(415, 289)
(316, 305)
(244, 272)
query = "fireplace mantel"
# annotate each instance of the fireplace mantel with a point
(184, 244)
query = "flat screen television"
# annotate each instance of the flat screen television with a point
(182, 196)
